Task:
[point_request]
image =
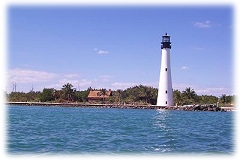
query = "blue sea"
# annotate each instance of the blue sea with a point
(81, 130)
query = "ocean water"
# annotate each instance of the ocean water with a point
(69, 130)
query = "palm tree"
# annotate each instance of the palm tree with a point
(223, 98)
(103, 93)
(68, 92)
(177, 96)
(189, 95)
(119, 91)
(149, 94)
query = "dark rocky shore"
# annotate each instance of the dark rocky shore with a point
(208, 107)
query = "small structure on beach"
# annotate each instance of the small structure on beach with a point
(99, 95)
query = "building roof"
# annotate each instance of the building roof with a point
(98, 94)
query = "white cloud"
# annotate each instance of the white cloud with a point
(105, 78)
(103, 52)
(25, 78)
(204, 90)
(78, 84)
(29, 76)
(205, 24)
(123, 85)
(184, 67)
(214, 90)
(99, 51)
(72, 75)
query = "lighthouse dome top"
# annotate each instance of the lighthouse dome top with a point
(166, 41)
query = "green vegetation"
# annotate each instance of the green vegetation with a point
(189, 96)
(47, 95)
(134, 95)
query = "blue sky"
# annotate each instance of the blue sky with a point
(118, 47)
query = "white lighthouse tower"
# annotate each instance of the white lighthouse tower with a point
(165, 91)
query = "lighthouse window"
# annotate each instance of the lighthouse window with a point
(166, 92)
(166, 102)
(165, 39)
(165, 69)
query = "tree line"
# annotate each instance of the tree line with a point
(134, 95)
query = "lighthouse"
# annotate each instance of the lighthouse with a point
(165, 91)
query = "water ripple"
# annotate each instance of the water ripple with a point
(111, 131)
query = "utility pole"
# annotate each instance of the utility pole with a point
(32, 88)
(14, 87)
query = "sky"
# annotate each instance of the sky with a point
(116, 47)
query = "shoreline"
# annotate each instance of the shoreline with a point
(129, 106)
